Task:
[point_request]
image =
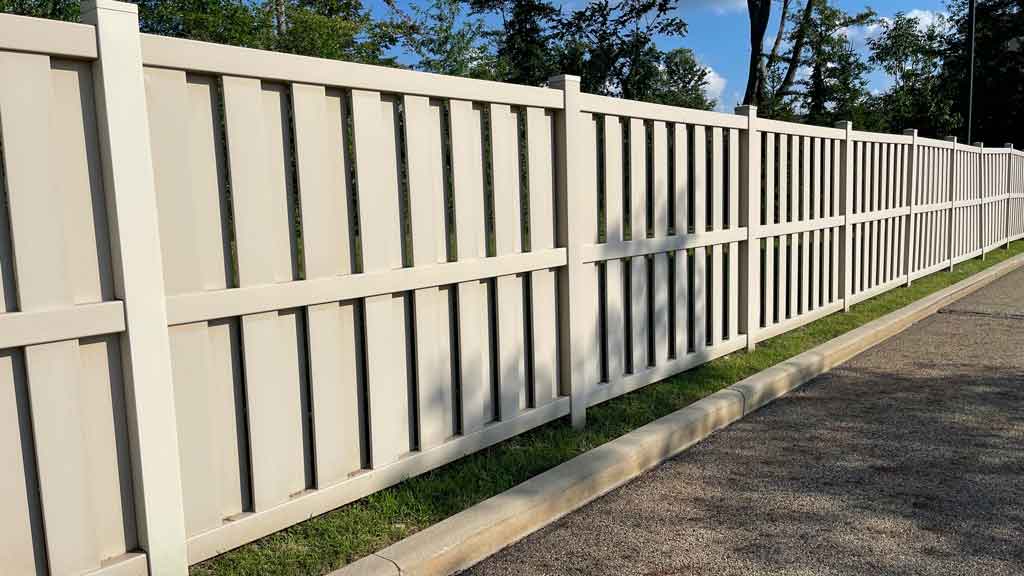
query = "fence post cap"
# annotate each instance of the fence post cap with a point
(746, 110)
(1008, 145)
(94, 5)
(979, 144)
(843, 125)
(950, 139)
(562, 80)
(910, 132)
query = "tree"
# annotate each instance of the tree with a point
(445, 46)
(611, 46)
(54, 9)
(524, 42)
(771, 76)
(760, 12)
(836, 86)
(337, 29)
(999, 70)
(682, 81)
(222, 21)
(811, 37)
(912, 57)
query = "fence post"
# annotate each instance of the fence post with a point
(952, 198)
(981, 196)
(750, 208)
(573, 290)
(1009, 183)
(847, 207)
(138, 280)
(909, 252)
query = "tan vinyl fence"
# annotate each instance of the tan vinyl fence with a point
(239, 289)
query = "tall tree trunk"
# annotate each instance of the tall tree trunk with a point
(773, 56)
(760, 12)
(798, 48)
(279, 16)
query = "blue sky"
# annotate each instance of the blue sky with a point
(719, 35)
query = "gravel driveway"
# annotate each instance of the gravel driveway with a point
(909, 459)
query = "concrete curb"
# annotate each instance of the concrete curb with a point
(464, 539)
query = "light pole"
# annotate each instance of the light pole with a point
(970, 56)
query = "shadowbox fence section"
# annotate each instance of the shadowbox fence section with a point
(241, 288)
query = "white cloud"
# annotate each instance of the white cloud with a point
(859, 35)
(716, 84)
(926, 18)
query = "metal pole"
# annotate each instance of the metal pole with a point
(970, 56)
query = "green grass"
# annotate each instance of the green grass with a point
(343, 535)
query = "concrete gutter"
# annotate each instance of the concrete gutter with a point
(466, 538)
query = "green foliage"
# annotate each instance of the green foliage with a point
(833, 86)
(998, 74)
(912, 56)
(525, 41)
(54, 9)
(611, 46)
(232, 22)
(682, 81)
(337, 29)
(447, 41)
(836, 88)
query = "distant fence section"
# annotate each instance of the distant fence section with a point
(240, 288)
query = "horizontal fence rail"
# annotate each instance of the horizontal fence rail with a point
(239, 289)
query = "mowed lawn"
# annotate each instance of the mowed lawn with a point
(335, 538)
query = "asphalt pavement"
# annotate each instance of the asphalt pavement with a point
(908, 459)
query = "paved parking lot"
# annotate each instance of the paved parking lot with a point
(909, 459)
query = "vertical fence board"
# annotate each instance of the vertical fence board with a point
(376, 136)
(542, 236)
(75, 148)
(40, 261)
(259, 157)
(196, 256)
(23, 551)
(508, 236)
(717, 301)
(805, 178)
(717, 176)
(681, 225)
(768, 296)
(168, 101)
(586, 326)
(474, 332)
(323, 166)
(425, 158)
(660, 289)
(638, 265)
(781, 292)
(699, 211)
(615, 325)
(734, 247)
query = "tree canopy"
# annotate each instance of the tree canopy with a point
(806, 67)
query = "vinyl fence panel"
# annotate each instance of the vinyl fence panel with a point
(240, 288)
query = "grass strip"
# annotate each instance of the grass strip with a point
(335, 538)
